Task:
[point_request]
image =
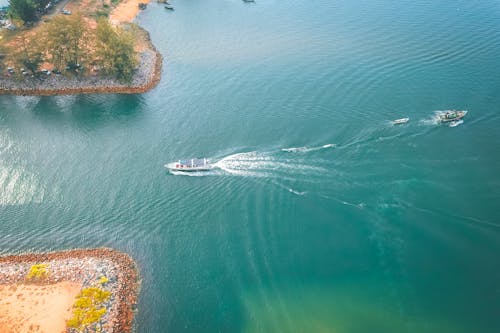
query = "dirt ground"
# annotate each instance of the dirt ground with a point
(126, 11)
(36, 308)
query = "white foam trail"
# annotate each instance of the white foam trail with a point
(384, 138)
(256, 164)
(360, 205)
(246, 164)
(295, 149)
(307, 149)
(289, 189)
(433, 121)
(296, 192)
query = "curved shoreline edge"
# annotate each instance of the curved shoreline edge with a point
(90, 85)
(127, 276)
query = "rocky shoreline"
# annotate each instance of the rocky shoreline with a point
(85, 266)
(146, 77)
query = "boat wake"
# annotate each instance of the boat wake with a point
(250, 164)
(270, 165)
(433, 120)
(291, 190)
(255, 164)
(307, 149)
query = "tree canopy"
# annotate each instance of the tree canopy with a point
(30, 54)
(23, 9)
(115, 50)
(66, 39)
(68, 43)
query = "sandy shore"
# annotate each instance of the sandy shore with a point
(45, 306)
(126, 11)
(36, 308)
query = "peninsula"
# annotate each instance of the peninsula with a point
(75, 47)
(68, 291)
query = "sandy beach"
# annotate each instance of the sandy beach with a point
(45, 305)
(126, 11)
(36, 308)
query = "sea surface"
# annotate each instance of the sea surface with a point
(321, 216)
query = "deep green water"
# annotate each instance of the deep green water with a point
(395, 229)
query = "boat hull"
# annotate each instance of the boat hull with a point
(400, 121)
(186, 167)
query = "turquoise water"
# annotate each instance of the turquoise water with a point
(322, 217)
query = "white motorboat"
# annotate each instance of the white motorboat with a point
(194, 164)
(455, 123)
(400, 121)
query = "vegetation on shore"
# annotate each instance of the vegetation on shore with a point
(38, 272)
(109, 280)
(71, 44)
(88, 310)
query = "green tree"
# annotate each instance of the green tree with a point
(41, 4)
(115, 51)
(66, 41)
(23, 9)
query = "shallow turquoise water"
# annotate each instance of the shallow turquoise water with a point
(365, 227)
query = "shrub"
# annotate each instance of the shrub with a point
(38, 272)
(88, 309)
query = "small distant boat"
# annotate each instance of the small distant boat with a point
(455, 123)
(194, 164)
(451, 115)
(248, 0)
(400, 121)
(169, 7)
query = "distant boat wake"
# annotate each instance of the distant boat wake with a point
(307, 149)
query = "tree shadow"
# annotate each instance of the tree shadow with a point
(87, 111)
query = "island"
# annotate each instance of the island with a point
(61, 47)
(84, 290)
